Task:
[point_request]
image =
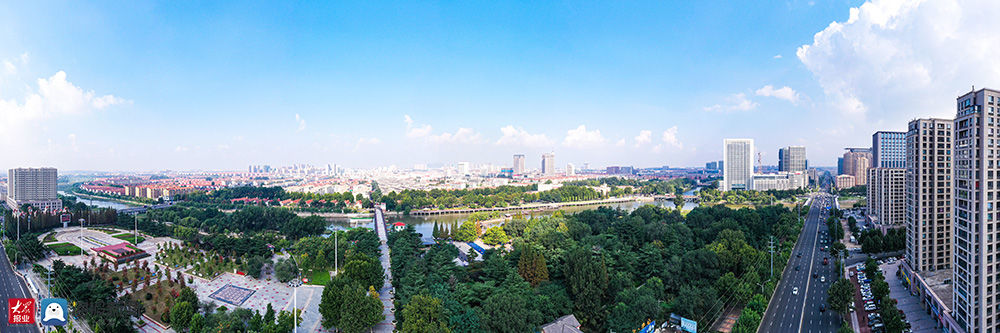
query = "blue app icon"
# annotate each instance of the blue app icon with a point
(54, 311)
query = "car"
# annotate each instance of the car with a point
(822, 308)
(800, 255)
(822, 279)
(796, 268)
(815, 275)
(826, 261)
(795, 291)
(870, 308)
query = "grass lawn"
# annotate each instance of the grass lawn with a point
(64, 249)
(318, 277)
(49, 238)
(128, 237)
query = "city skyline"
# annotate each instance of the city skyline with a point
(443, 84)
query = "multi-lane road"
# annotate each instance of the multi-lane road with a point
(789, 311)
(11, 286)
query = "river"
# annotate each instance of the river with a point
(425, 224)
(99, 202)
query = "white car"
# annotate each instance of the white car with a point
(795, 291)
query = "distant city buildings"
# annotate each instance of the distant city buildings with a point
(570, 169)
(259, 169)
(856, 163)
(619, 170)
(548, 164)
(792, 159)
(518, 164)
(928, 194)
(738, 164)
(463, 168)
(844, 181)
(781, 181)
(35, 187)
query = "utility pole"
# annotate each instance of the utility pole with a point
(336, 255)
(770, 247)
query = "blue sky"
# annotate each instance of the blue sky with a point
(161, 85)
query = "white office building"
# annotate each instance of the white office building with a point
(737, 164)
(548, 164)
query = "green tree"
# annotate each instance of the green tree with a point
(424, 314)
(679, 198)
(890, 315)
(197, 323)
(285, 270)
(331, 302)
(495, 235)
(880, 288)
(467, 232)
(180, 315)
(531, 266)
(845, 327)
(365, 310)
(587, 283)
(840, 295)
(364, 270)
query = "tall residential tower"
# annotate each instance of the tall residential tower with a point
(928, 194)
(518, 164)
(33, 186)
(548, 163)
(977, 198)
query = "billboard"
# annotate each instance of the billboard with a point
(688, 325)
(65, 218)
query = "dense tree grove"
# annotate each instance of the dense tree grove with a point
(873, 241)
(653, 186)
(736, 197)
(612, 269)
(96, 299)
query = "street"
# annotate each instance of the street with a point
(11, 286)
(788, 312)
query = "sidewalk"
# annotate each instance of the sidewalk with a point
(916, 315)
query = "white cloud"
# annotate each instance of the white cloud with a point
(902, 59)
(301, 122)
(581, 138)
(644, 137)
(72, 142)
(784, 93)
(670, 137)
(736, 102)
(462, 135)
(9, 67)
(180, 149)
(55, 97)
(413, 131)
(366, 142)
(516, 136)
(620, 143)
(777, 56)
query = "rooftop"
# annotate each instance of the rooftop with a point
(936, 281)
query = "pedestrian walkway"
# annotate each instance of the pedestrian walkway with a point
(386, 293)
(916, 315)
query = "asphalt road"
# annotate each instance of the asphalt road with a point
(788, 312)
(11, 286)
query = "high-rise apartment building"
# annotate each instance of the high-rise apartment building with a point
(33, 186)
(792, 159)
(856, 163)
(518, 164)
(886, 195)
(888, 149)
(570, 169)
(976, 201)
(737, 164)
(548, 163)
(928, 194)
(463, 168)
